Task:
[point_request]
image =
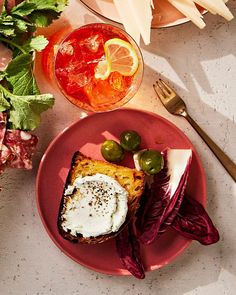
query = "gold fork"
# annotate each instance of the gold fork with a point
(176, 106)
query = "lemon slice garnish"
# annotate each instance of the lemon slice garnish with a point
(120, 57)
(102, 70)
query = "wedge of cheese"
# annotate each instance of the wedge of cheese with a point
(188, 8)
(136, 17)
(216, 7)
(142, 12)
(127, 19)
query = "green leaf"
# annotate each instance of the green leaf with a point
(25, 110)
(43, 18)
(7, 26)
(56, 5)
(35, 43)
(28, 14)
(4, 104)
(7, 30)
(46, 11)
(21, 25)
(20, 75)
(2, 75)
(23, 9)
(61, 4)
(38, 43)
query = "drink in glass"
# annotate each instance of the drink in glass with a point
(98, 67)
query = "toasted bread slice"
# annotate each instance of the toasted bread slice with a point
(130, 179)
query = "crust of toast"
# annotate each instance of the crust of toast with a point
(131, 179)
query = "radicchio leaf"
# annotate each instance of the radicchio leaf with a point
(175, 206)
(193, 222)
(128, 249)
(165, 195)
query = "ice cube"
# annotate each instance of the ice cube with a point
(73, 66)
(80, 79)
(66, 48)
(117, 82)
(100, 93)
(92, 43)
(61, 72)
(97, 60)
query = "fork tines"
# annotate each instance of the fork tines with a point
(162, 89)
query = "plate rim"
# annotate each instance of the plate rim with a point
(50, 234)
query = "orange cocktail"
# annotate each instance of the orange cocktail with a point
(98, 67)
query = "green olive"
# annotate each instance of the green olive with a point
(151, 161)
(130, 140)
(112, 151)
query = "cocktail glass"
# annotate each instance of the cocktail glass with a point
(75, 64)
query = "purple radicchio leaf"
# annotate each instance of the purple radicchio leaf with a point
(128, 249)
(175, 206)
(164, 196)
(193, 222)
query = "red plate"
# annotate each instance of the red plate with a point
(87, 135)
